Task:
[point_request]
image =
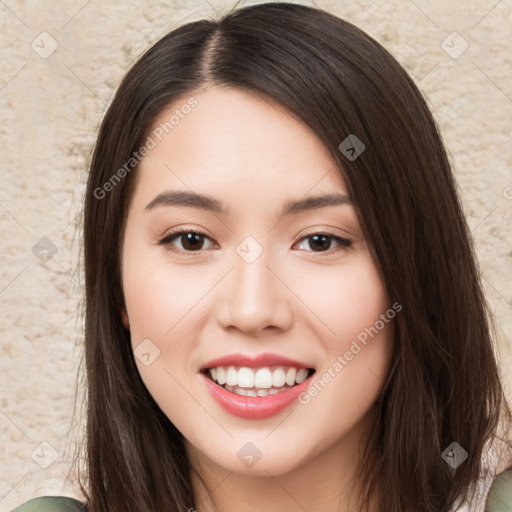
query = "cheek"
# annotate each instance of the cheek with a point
(166, 305)
(163, 312)
(159, 297)
(346, 300)
(358, 348)
(160, 306)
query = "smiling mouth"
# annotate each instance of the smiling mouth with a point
(257, 382)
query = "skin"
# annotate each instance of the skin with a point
(295, 300)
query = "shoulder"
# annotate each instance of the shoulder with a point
(51, 504)
(500, 494)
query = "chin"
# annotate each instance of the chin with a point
(259, 457)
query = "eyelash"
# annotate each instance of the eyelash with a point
(343, 243)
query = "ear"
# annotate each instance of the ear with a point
(124, 316)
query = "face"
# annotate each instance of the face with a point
(234, 269)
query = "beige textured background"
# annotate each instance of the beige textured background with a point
(51, 106)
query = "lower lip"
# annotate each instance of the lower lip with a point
(254, 408)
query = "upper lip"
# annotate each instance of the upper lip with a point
(258, 361)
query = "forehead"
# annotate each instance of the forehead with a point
(234, 140)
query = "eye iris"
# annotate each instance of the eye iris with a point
(323, 241)
(192, 241)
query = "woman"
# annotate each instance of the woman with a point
(283, 307)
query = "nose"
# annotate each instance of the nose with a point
(255, 299)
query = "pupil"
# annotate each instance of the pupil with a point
(193, 241)
(322, 241)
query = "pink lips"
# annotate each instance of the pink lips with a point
(254, 361)
(248, 407)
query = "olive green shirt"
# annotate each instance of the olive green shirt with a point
(498, 500)
(52, 504)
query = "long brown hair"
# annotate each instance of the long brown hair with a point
(444, 384)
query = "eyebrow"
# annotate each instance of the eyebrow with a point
(204, 202)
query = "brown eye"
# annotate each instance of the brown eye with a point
(187, 241)
(322, 242)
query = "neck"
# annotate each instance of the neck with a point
(326, 482)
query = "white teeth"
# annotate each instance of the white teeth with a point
(245, 378)
(278, 378)
(232, 376)
(221, 375)
(261, 378)
(301, 375)
(290, 376)
(254, 392)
